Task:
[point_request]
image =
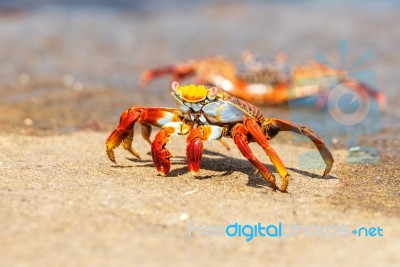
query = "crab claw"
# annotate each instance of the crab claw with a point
(160, 154)
(113, 141)
(123, 134)
(194, 152)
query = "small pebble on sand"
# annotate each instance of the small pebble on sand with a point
(28, 122)
(184, 216)
(190, 192)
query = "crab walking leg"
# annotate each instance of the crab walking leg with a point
(260, 138)
(225, 144)
(146, 116)
(159, 152)
(304, 130)
(178, 72)
(239, 134)
(127, 145)
(194, 149)
(146, 132)
(366, 91)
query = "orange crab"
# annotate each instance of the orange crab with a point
(207, 113)
(266, 81)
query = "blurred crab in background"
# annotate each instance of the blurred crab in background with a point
(267, 81)
(208, 113)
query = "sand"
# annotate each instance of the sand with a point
(64, 203)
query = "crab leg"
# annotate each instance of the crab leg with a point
(178, 72)
(159, 152)
(239, 134)
(366, 90)
(212, 70)
(260, 138)
(194, 149)
(146, 132)
(282, 125)
(147, 117)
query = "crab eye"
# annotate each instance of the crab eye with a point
(212, 93)
(175, 85)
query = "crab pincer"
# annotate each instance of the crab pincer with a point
(160, 154)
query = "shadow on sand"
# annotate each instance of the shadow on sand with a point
(223, 164)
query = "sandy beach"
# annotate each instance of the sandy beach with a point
(64, 203)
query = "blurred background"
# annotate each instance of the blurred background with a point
(69, 65)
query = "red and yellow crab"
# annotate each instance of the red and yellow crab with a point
(266, 81)
(207, 113)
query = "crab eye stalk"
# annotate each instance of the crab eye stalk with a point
(175, 86)
(212, 93)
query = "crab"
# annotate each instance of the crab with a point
(267, 81)
(208, 113)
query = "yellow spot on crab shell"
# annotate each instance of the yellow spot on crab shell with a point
(193, 93)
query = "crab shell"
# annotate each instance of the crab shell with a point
(211, 106)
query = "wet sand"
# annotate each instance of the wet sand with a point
(64, 203)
